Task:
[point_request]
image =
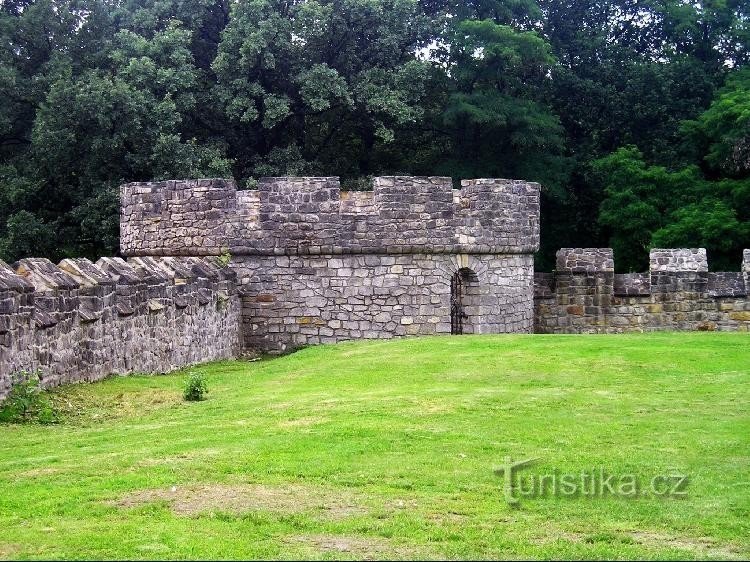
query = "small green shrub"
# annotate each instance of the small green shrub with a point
(26, 401)
(223, 259)
(195, 387)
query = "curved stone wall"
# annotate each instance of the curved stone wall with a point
(290, 301)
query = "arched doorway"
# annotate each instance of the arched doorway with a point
(464, 290)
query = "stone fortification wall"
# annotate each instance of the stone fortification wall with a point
(585, 295)
(309, 264)
(81, 321)
(318, 265)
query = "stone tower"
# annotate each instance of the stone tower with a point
(316, 264)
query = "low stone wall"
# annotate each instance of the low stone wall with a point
(80, 321)
(585, 295)
(289, 301)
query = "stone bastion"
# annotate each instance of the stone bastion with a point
(317, 265)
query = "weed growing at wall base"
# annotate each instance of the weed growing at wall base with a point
(224, 258)
(26, 401)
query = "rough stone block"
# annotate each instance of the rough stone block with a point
(585, 260)
(678, 260)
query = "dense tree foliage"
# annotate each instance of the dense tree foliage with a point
(635, 116)
(704, 204)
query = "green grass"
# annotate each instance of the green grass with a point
(384, 450)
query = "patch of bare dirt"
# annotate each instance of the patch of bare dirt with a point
(281, 405)
(702, 547)
(550, 536)
(176, 459)
(9, 550)
(425, 408)
(78, 407)
(360, 548)
(449, 518)
(244, 498)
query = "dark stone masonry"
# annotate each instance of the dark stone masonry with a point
(585, 295)
(81, 321)
(213, 273)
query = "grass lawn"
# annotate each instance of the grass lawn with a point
(388, 450)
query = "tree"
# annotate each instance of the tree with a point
(105, 105)
(639, 200)
(317, 86)
(498, 123)
(704, 204)
(722, 132)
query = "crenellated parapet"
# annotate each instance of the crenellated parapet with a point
(81, 321)
(680, 273)
(193, 214)
(583, 285)
(680, 259)
(678, 293)
(312, 216)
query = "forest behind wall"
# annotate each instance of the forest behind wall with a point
(634, 115)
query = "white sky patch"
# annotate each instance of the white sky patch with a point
(428, 53)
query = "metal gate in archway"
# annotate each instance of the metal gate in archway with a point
(457, 305)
